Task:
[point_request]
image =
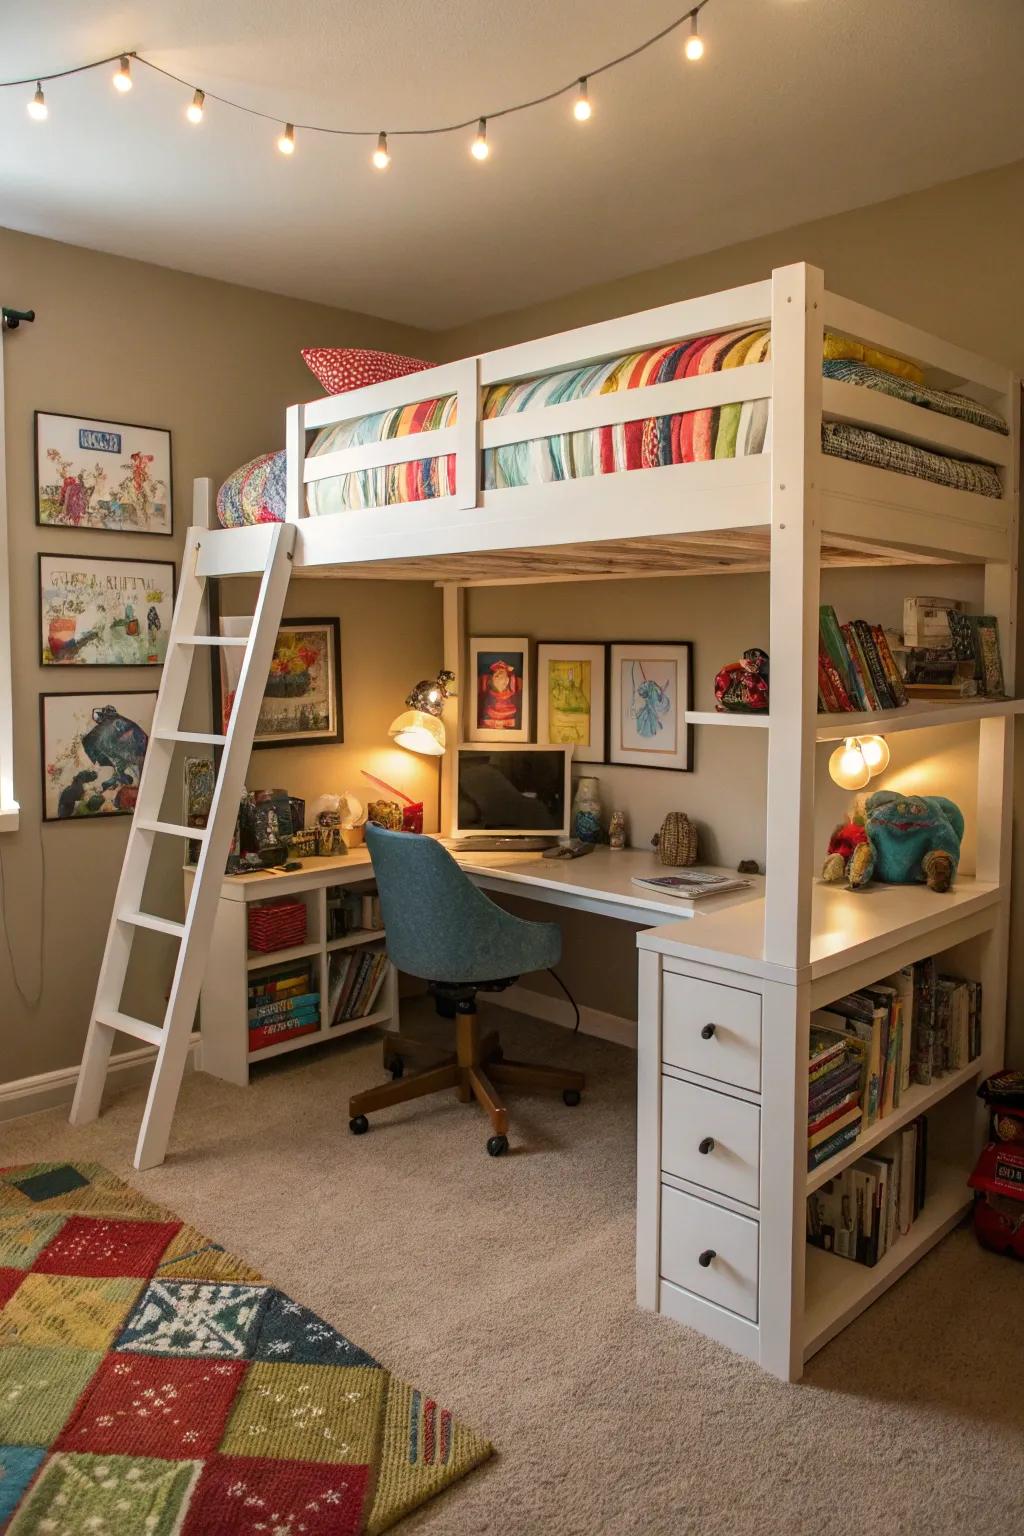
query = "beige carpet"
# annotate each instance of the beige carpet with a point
(506, 1286)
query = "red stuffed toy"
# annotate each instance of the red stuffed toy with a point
(846, 838)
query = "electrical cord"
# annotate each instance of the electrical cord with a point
(572, 1000)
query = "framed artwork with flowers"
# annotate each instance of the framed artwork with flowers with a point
(108, 476)
(302, 700)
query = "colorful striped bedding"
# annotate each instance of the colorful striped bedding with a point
(255, 493)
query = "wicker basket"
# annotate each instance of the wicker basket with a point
(677, 841)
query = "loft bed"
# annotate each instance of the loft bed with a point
(644, 446)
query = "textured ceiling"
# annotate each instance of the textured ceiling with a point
(800, 108)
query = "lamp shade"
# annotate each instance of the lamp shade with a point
(419, 732)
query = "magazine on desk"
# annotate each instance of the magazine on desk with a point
(692, 885)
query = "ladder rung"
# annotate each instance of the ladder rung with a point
(172, 830)
(152, 1033)
(211, 640)
(158, 924)
(195, 738)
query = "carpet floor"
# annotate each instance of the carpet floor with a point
(505, 1287)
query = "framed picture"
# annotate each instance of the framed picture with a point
(105, 475)
(571, 697)
(93, 749)
(500, 707)
(649, 693)
(104, 613)
(302, 700)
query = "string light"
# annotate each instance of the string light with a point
(381, 157)
(848, 766)
(694, 49)
(481, 149)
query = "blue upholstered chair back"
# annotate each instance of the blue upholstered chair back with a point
(439, 926)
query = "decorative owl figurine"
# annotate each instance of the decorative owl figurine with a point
(905, 840)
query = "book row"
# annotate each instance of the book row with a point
(283, 1004)
(856, 668)
(355, 980)
(861, 1212)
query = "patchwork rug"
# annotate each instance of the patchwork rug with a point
(151, 1384)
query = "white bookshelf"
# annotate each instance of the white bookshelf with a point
(224, 1027)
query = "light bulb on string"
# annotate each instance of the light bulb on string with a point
(847, 766)
(37, 107)
(582, 110)
(381, 156)
(286, 143)
(875, 750)
(694, 49)
(480, 148)
(123, 74)
(194, 110)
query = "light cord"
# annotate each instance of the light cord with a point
(369, 133)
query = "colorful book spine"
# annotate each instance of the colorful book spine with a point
(821, 1154)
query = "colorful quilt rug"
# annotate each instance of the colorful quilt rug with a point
(151, 1384)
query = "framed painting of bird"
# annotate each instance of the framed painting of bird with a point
(93, 748)
(104, 613)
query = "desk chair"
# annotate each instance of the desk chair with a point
(440, 927)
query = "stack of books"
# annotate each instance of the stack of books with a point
(945, 1022)
(949, 652)
(835, 1086)
(370, 913)
(867, 1207)
(856, 669)
(283, 1003)
(354, 983)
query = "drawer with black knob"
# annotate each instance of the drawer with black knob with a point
(709, 1251)
(711, 1029)
(710, 1138)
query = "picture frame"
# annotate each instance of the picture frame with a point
(103, 612)
(571, 691)
(303, 703)
(650, 685)
(104, 476)
(500, 704)
(93, 745)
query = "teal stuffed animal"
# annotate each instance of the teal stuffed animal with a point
(909, 840)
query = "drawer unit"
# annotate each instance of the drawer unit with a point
(711, 1029)
(709, 1251)
(711, 1139)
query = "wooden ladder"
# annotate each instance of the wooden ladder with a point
(171, 1037)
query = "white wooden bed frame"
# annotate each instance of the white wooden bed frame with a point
(789, 511)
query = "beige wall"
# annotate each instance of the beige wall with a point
(947, 259)
(217, 364)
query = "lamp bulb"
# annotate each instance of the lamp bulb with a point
(875, 750)
(123, 74)
(194, 110)
(381, 157)
(37, 107)
(286, 143)
(480, 148)
(847, 765)
(582, 110)
(694, 49)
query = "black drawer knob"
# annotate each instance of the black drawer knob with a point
(707, 1032)
(707, 1145)
(704, 1259)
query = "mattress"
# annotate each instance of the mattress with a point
(256, 492)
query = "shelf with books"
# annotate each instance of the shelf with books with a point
(917, 715)
(916, 1100)
(836, 1290)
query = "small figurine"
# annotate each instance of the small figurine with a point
(741, 688)
(617, 830)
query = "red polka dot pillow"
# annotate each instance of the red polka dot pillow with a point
(340, 369)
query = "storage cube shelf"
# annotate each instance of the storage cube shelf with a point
(224, 1025)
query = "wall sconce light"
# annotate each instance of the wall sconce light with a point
(419, 727)
(858, 760)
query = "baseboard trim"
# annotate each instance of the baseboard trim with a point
(557, 1010)
(48, 1090)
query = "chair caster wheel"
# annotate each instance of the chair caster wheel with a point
(396, 1066)
(571, 1096)
(359, 1126)
(497, 1145)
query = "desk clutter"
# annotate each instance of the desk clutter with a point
(273, 828)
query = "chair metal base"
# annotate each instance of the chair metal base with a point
(473, 1069)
